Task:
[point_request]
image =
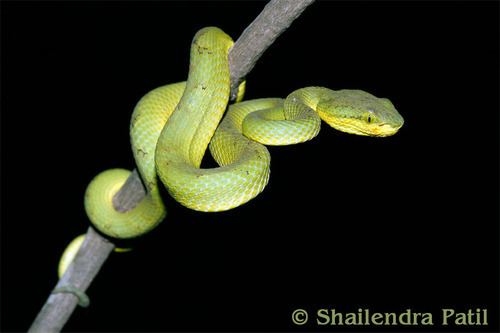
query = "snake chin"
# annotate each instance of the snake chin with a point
(360, 127)
(382, 130)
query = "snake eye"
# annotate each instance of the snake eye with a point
(370, 117)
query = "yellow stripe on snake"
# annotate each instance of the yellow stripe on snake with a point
(172, 126)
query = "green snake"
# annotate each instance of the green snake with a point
(173, 125)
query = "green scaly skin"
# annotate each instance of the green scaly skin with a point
(173, 150)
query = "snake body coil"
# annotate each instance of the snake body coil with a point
(172, 126)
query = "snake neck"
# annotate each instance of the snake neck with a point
(309, 96)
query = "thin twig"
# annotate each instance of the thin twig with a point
(275, 18)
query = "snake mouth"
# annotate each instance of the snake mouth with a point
(360, 127)
(375, 130)
(382, 130)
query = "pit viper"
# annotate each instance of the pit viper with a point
(173, 125)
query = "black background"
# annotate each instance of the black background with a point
(346, 222)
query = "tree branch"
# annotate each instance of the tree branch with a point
(59, 307)
(275, 18)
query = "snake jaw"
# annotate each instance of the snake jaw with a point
(360, 126)
(383, 130)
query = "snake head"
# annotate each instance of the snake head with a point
(361, 113)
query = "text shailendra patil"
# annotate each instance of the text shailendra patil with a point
(468, 317)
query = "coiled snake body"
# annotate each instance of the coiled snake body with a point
(172, 126)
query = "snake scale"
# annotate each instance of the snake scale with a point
(173, 125)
